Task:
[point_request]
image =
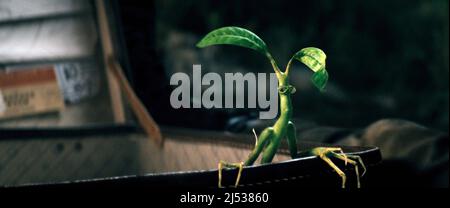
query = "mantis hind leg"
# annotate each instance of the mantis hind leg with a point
(263, 140)
(271, 149)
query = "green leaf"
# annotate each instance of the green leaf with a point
(314, 58)
(320, 79)
(234, 36)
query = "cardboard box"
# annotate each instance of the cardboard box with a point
(29, 91)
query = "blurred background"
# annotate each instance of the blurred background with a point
(385, 58)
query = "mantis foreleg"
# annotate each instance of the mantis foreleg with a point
(292, 139)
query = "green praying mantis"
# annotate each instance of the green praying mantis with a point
(270, 138)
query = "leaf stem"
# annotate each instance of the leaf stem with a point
(274, 65)
(288, 67)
